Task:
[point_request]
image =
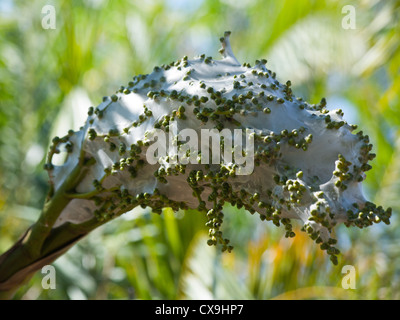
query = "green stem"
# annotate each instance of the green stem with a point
(51, 211)
(36, 248)
(91, 194)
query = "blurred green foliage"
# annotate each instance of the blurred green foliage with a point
(49, 78)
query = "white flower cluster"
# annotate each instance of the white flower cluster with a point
(306, 162)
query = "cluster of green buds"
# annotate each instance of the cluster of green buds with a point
(308, 165)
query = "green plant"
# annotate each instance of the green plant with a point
(106, 170)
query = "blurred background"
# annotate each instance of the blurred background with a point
(50, 77)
